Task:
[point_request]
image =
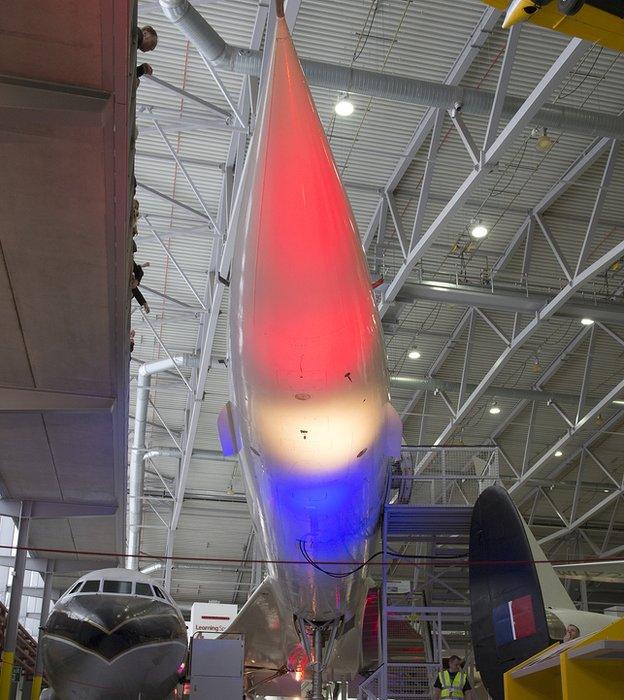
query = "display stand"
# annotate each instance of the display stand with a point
(589, 667)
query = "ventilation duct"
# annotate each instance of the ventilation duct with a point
(136, 466)
(374, 84)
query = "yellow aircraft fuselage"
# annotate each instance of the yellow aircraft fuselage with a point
(588, 23)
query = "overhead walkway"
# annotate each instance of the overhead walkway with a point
(66, 118)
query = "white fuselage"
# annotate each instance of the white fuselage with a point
(308, 363)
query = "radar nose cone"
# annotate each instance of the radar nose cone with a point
(519, 11)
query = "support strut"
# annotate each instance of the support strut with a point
(317, 678)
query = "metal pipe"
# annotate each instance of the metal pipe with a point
(136, 466)
(45, 611)
(431, 384)
(17, 588)
(317, 677)
(375, 84)
(508, 297)
(196, 566)
(174, 453)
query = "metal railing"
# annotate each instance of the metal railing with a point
(403, 681)
(445, 475)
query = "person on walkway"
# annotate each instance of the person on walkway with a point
(452, 682)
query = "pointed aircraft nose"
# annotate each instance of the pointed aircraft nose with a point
(519, 11)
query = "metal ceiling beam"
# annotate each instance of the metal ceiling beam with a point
(241, 60)
(554, 246)
(172, 200)
(605, 183)
(188, 178)
(189, 95)
(506, 298)
(565, 463)
(568, 435)
(501, 88)
(175, 124)
(214, 296)
(524, 335)
(433, 383)
(530, 107)
(187, 160)
(427, 178)
(582, 519)
(438, 362)
(433, 119)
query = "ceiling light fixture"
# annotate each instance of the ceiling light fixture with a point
(344, 107)
(413, 354)
(479, 230)
(618, 402)
(558, 453)
(495, 408)
(587, 321)
(544, 142)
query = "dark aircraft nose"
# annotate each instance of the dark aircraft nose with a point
(110, 625)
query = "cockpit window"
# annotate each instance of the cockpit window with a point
(75, 588)
(91, 586)
(159, 593)
(144, 589)
(124, 587)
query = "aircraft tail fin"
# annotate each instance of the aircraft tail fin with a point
(509, 622)
(519, 607)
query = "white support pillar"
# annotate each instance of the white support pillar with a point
(17, 585)
(45, 611)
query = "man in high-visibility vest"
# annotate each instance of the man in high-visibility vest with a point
(452, 683)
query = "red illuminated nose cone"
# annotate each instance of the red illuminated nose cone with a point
(307, 352)
(308, 310)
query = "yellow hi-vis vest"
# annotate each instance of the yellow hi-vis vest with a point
(452, 688)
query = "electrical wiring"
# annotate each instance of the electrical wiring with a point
(332, 574)
(346, 574)
(580, 85)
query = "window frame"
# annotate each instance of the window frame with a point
(144, 595)
(91, 580)
(119, 583)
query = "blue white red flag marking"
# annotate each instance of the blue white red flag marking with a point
(514, 620)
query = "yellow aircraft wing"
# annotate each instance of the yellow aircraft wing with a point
(588, 23)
